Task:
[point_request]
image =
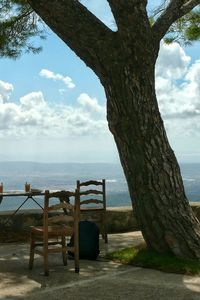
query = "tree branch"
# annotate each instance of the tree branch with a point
(175, 10)
(128, 13)
(85, 34)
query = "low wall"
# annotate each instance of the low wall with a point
(119, 219)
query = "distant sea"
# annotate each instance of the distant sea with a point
(60, 176)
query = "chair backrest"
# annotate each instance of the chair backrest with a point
(62, 212)
(95, 188)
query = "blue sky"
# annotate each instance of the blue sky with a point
(52, 107)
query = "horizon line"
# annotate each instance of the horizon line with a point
(78, 162)
(56, 162)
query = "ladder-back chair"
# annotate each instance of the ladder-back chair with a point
(60, 220)
(93, 200)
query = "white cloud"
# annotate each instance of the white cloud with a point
(33, 100)
(179, 100)
(57, 77)
(5, 90)
(34, 117)
(194, 72)
(172, 61)
(62, 91)
(18, 119)
(90, 104)
(177, 88)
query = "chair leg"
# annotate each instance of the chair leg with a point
(64, 252)
(32, 246)
(46, 265)
(105, 232)
(45, 253)
(76, 252)
(76, 262)
(104, 229)
(106, 238)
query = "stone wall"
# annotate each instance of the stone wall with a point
(16, 227)
(119, 219)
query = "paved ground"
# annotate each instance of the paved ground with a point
(97, 279)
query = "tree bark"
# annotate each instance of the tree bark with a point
(125, 65)
(150, 166)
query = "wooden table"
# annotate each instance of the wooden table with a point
(29, 195)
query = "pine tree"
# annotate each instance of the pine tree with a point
(124, 61)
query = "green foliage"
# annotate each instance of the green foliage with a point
(18, 24)
(186, 29)
(140, 256)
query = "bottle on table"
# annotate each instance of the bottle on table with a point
(27, 187)
(1, 187)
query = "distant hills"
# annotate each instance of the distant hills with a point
(64, 175)
(72, 168)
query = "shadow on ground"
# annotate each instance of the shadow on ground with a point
(99, 279)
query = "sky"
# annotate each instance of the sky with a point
(53, 107)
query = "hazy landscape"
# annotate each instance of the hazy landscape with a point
(64, 176)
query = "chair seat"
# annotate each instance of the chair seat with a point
(52, 230)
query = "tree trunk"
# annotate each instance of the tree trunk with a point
(150, 166)
(125, 63)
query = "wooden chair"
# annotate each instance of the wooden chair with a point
(51, 237)
(96, 204)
